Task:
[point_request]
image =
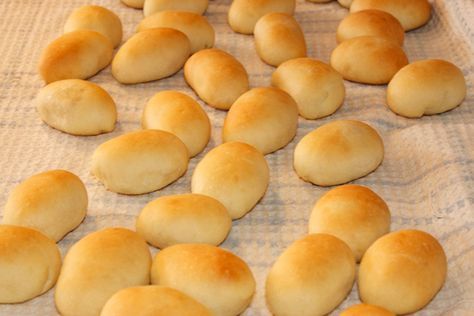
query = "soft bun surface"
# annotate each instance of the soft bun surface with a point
(366, 310)
(195, 6)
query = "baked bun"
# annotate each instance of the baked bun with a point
(244, 14)
(137, 4)
(98, 266)
(181, 115)
(196, 27)
(407, 263)
(370, 23)
(426, 87)
(216, 77)
(195, 6)
(411, 13)
(353, 213)
(152, 300)
(128, 163)
(184, 218)
(77, 107)
(338, 152)
(345, 3)
(368, 59)
(215, 277)
(317, 88)
(311, 277)
(366, 310)
(75, 55)
(319, 1)
(265, 118)
(235, 174)
(29, 263)
(42, 199)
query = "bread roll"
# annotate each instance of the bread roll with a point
(368, 59)
(181, 115)
(79, 54)
(152, 300)
(319, 1)
(338, 152)
(184, 218)
(244, 14)
(345, 3)
(217, 278)
(426, 87)
(370, 23)
(317, 88)
(366, 310)
(408, 263)
(196, 27)
(98, 266)
(137, 4)
(77, 107)
(311, 277)
(235, 174)
(411, 13)
(96, 18)
(195, 6)
(278, 38)
(353, 213)
(140, 162)
(216, 77)
(53, 202)
(265, 118)
(29, 263)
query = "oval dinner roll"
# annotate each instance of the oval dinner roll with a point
(370, 23)
(338, 152)
(79, 54)
(353, 213)
(265, 118)
(53, 202)
(278, 38)
(366, 310)
(196, 27)
(77, 107)
(407, 263)
(244, 14)
(311, 277)
(184, 218)
(410, 13)
(29, 263)
(217, 278)
(98, 266)
(140, 162)
(426, 87)
(345, 3)
(235, 174)
(152, 300)
(137, 4)
(216, 77)
(317, 88)
(368, 59)
(195, 6)
(96, 18)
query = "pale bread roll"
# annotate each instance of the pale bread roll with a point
(53, 202)
(79, 54)
(184, 218)
(366, 310)
(311, 277)
(96, 18)
(408, 263)
(244, 14)
(411, 13)
(217, 278)
(76, 107)
(265, 118)
(353, 213)
(137, 4)
(29, 263)
(153, 300)
(278, 38)
(338, 152)
(426, 87)
(368, 59)
(195, 6)
(345, 3)
(99, 265)
(196, 27)
(235, 174)
(216, 77)
(317, 88)
(370, 23)
(140, 162)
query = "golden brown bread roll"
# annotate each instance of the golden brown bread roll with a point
(195, 6)
(366, 310)
(137, 4)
